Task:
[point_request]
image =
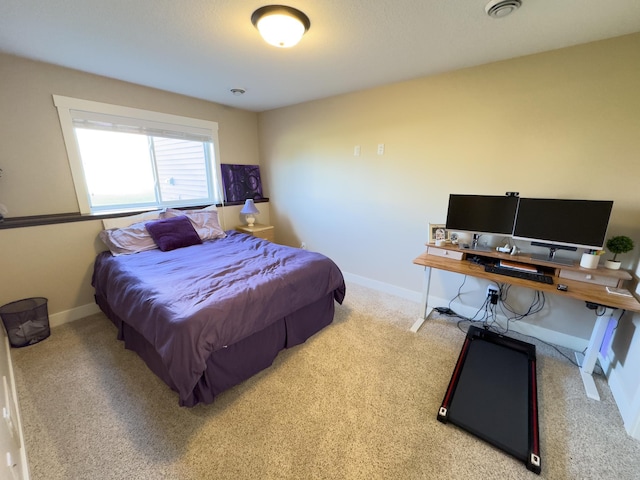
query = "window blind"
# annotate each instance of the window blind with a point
(102, 121)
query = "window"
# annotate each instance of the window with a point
(124, 158)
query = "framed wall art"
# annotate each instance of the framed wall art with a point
(241, 182)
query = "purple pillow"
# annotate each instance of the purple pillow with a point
(172, 233)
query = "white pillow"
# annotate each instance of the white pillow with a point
(127, 240)
(205, 221)
(123, 222)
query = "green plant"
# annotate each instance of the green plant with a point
(619, 244)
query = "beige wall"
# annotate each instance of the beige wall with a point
(560, 124)
(37, 179)
(56, 261)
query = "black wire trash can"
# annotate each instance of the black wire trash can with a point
(26, 321)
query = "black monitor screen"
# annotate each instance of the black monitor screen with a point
(578, 223)
(493, 214)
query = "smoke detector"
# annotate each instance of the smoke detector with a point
(502, 8)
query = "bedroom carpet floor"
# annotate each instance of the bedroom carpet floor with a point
(356, 401)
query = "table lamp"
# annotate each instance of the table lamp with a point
(249, 210)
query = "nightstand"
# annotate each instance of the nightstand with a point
(261, 231)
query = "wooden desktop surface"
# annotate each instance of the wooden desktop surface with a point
(579, 290)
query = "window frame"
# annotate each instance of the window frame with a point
(65, 105)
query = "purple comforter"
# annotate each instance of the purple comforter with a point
(192, 301)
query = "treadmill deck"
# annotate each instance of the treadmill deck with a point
(493, 394)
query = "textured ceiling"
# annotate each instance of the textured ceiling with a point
(203, 48)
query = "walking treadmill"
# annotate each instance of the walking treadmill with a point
(493, 394)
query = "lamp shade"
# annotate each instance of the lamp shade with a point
(279, 25)
(249, 207)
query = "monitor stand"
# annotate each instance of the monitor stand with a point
(552, 258)
(475, 246)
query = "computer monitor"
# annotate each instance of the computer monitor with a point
(483, 214)
(562, 224)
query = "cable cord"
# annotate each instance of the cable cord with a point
(537, 305)
(451, 313)
(464, 280)
(489, 319)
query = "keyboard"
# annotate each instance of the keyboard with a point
(510, 272)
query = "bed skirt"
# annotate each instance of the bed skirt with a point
(234, 363)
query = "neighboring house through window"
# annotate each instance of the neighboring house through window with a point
(124, 158)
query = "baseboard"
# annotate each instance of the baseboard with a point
(628, 402)
(557, 338)
(629, 408)
(77, 313)
(91, 308)
(383, 287)
(629, 411)
(572, 342)
(634, 430)
(575, 343)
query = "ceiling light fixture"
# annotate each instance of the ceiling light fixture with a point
(279, 25)
(502, 8)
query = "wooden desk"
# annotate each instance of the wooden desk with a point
(590, 288)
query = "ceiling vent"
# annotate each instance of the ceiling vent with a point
(502, 8)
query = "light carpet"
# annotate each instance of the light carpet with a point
(356, 401)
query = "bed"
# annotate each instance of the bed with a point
(207, 316)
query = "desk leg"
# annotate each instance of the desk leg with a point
(424, 309)
(588, 363)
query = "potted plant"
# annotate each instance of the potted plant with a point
(617, 245)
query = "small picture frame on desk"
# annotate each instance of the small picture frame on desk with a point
(438, 233)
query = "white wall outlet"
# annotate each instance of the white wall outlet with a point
(492, 294)
(303, 245)
(491, 290)
(356, 151)
(381, 149)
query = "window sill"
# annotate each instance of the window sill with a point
(38, 220)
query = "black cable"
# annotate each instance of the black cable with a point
(540, 297)
(537, 304)
(464, 280)
(618, 321)
(451, 313)
(473, 319)
(571, 360)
